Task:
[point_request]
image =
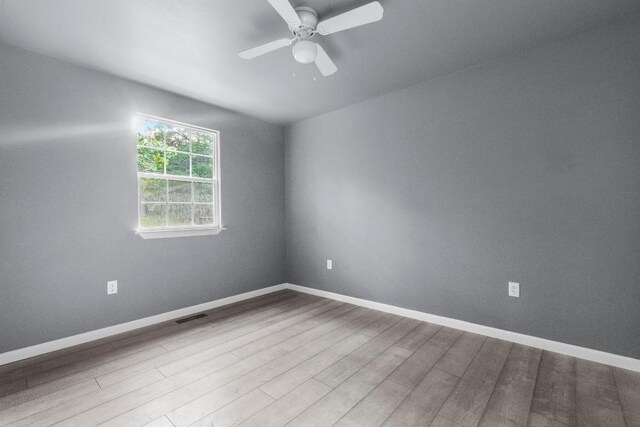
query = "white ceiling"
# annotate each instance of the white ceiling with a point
(190, 46)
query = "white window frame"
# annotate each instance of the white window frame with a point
(191, 230)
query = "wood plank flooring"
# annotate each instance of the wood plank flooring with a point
(293, 359)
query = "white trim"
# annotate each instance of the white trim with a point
(175, 122)
(36, 350)
(555, 346)
(545, 344)
(178, 232)
(167, 177)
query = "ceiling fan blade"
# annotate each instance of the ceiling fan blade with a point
(324, 63)
(265, 48)
(288, 13)
(362, 15)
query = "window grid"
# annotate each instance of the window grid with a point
(213, 204)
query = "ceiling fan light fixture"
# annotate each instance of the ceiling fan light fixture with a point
(305, 51)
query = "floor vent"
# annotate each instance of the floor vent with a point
(188, 319)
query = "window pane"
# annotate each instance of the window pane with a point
(202, 166)
(150, 160)
(179, 191)
(150, 132)
(153, 215)
(202, 192)
(178, 139)
(203, 214)
(180, 214)
(177, 163)
(153, 190)
(202, 143)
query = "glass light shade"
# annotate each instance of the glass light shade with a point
(305, 51)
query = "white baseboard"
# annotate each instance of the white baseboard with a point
(36, 350)
(558, 347)
(555, 346)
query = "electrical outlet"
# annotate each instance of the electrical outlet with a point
(329, 264)
(112, 287)
(514, 289)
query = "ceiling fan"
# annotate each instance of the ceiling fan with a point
(303, 23)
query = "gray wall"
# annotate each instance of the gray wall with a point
(68, 205)
(525, 169)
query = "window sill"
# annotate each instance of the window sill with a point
(164, 233)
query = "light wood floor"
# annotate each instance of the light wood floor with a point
(298, 360)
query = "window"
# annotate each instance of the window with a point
(178, 178)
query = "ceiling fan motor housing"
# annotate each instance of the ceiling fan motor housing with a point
(308, 21)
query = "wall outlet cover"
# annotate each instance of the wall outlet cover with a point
(112, 287)
(514, 289)
(329, 264)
